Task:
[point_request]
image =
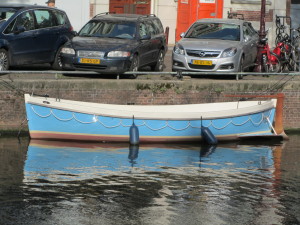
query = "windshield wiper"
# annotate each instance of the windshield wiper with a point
(116, 37)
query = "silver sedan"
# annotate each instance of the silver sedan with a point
(216, 45)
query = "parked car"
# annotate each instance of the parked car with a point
(116, 43)
(31, 34)
(216, 45)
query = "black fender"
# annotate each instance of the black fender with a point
(61, 41)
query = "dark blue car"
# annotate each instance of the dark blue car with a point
(117, 43)
(31, 34)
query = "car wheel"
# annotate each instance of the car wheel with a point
(159, 66)
(57, 64)
(4, 61)
(134, 66)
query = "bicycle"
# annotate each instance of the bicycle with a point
(267, 61)
(286, 53)
(287, 45)
(295, 43)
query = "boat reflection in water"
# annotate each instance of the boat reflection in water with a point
(151, 184)
(70, 160)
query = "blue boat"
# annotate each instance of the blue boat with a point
(51, 118)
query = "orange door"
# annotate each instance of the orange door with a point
(191, 10)
(207, 10)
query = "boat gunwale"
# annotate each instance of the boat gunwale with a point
(205, 115)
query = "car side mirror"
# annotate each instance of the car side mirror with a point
(146, 37)
(19, 29)
(182, 34)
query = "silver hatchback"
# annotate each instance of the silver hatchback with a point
(216, 45)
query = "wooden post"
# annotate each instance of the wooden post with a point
(279, 116)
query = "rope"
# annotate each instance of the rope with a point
(271, 126)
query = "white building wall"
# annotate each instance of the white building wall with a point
(166, 10)
(78, 11)
(100, 6)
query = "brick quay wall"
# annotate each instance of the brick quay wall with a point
(162, 90)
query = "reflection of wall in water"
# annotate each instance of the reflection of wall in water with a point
(290, 158)
(12, 160)
(290, 177)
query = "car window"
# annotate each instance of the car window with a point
(44, 19)
(151, 29)
(110, 29)
(25, 20)
(220, 31)
(247, 33)
(6, 13)
(143, 30)
(252, 30)
(158, 26)
(60, 17)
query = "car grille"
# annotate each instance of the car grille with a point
(202, 53)
(201, 67)
(90, 54)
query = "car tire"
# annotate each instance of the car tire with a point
(159, 65)
(4, 60)
(135, 63)
(57, 64)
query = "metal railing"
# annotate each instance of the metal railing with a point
(178, 74)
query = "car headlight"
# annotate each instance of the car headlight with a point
(117, 54)
(229, 52)
(178, 49)
(69, 51)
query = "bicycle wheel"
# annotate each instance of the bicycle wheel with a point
(274, 64)
(293, 64)
(295, 54)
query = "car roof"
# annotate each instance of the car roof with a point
(219, 20)
(20, 6)
(123, 17)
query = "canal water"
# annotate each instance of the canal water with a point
(69, 183)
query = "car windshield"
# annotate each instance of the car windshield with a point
(220, 31)
(6, 13)
(110, 29)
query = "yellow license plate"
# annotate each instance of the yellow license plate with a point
(90, 61)
(202, 62)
